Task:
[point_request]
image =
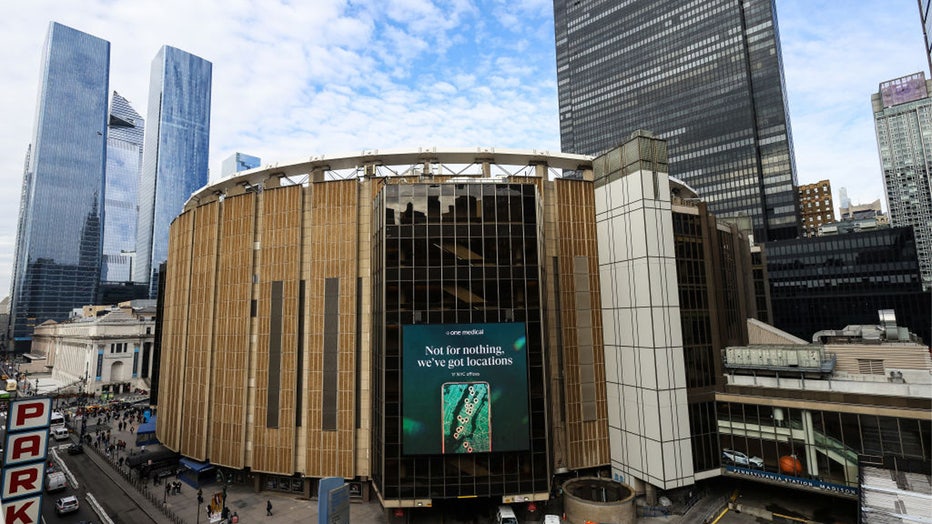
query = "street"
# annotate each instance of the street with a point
(93, 485)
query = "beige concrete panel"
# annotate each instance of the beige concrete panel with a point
(333, 251)
(195, 418)
(169, 428)
(231, 333)
(278, 236)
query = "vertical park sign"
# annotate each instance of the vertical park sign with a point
(26, 445)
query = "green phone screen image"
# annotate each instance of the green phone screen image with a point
(466, 416)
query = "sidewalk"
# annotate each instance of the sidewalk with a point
(183, 508)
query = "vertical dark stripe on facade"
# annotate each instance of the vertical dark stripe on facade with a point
(275, 355)
(558, 308)
(299, 370)
(358, 393)
(583, 301)
(331, 333)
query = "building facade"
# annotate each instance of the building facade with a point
(124, 165)
(110, 350)
(434, 324)
(707, 77)
(677, 286)
(811, 413)
(425, 323)
(5, 324)
(845, 279)
(903, 120)
(815, 206)
(58, 242)
(175, 153)
(856, 211)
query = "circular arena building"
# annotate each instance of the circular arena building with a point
(392, 318)
(439, 327)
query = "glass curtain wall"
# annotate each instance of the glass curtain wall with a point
(59, 239)
(819, 444)
(455, 254)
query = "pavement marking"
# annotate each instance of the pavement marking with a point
(98, 509)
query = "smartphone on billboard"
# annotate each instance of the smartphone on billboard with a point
(466, 415)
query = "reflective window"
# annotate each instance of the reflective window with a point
(454, 253)
(57, 263)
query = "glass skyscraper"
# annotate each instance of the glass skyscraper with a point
(238, 162)
(58, 248)
(175, 154)
(124, 163)
(903, 119)
(706, 76)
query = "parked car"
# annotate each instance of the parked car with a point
(75, 449)
(741, 459)
(66, 505)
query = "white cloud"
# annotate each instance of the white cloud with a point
(835, 55)
(295, 79)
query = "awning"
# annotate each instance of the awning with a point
(148, 427)
(33, 356)
(194, 465)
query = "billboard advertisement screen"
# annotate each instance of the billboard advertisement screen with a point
(904, 89)
(464, 388)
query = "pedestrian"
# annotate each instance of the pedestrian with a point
(268, 508)
(235, 519)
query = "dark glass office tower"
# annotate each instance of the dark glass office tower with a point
(58, 246)
(124, 163)
(175, 155)
(706, 76)
(845, 279)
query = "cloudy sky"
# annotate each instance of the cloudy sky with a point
(295, 79)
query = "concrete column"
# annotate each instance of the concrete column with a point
(650, 494)
(812, 462)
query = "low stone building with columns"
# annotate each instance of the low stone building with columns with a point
(106, 350)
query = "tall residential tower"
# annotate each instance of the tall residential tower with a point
(903, 119)
(58, 245)
(175, 156)
(706, 76)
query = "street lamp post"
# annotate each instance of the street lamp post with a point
(224, 480)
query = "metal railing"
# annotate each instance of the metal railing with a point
(141, 484)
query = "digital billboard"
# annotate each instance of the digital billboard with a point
(464, 388)
(903, 89)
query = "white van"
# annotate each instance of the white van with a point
(59, 433)
(505, 515)
(55, 480)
